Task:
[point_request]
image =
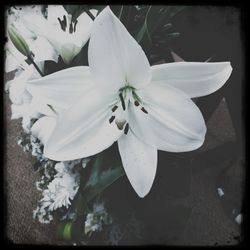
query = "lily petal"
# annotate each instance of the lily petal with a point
(20, 111)
(36, 23)
(114, 55)
(17, 87)
(43, 128)
(69, 50)
(194, 78)
(41, 27)
(84, 25)
(139, 161)
(43, 50)
(62, 88)
(173, 123)
(83, 129)
(41, 107)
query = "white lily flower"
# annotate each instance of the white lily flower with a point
(40, 47)
(143, 108)
(27, 107)
(67, 37)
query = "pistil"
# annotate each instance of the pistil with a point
(120, 123)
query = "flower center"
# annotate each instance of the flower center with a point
(127, 95)
(63, 23)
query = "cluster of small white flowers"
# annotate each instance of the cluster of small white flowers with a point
(30, 143)
(43, 215)
(94, 221)
(60, 191)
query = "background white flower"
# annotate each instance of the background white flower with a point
(23, 104)
(67, 36)
(97, 218)
(40, 47)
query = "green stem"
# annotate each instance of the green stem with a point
(89, 14)
(36, 67)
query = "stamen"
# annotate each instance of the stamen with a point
(122, 101)
(126, 129)
(75, 26)
(61, 23)
(114, 108)
(111, 119)
(136, 103)
(71, 28)
(144, 110)
(64, 21)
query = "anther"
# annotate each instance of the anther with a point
(111, 119)
(144, 110)
(122, 101)
(136, 103)
(126, 129)
(114, 108)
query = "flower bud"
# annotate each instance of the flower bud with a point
(18, 41)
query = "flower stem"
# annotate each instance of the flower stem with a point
(89, 14)
(36, 67)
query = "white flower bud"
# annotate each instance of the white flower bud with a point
(18, 41)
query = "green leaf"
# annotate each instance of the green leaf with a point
(64, 230)
(144, 30)
(74, 10)
(154, 19)
(97, 182)
(100, 180)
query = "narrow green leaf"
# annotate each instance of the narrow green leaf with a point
(144, 29)
(154, 18)
(97, 182)
(120, 14)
